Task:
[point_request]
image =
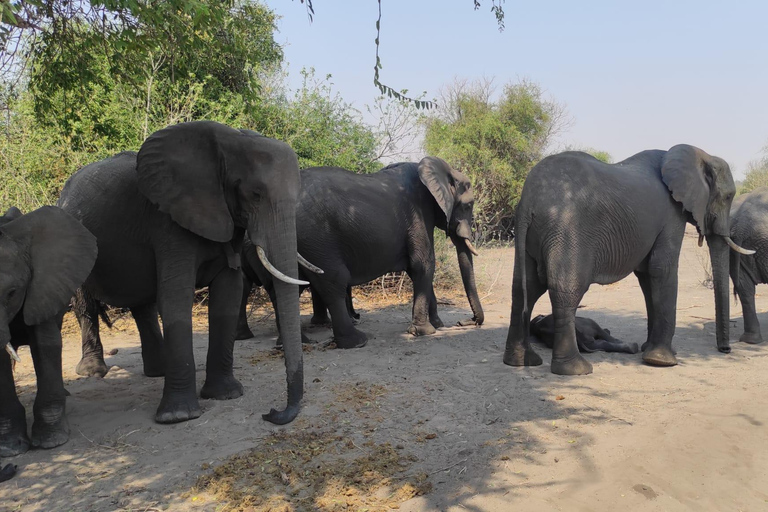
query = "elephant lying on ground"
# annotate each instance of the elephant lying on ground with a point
(171, 219)
(590, 337)
(44, 256)
(749, 227)
(581, 221)
(357, 227)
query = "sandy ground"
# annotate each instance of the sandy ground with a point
(486, 436)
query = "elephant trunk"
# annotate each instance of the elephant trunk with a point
(464, 256)
(719, 256)
(278, 238)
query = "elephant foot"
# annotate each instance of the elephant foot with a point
(521, 356)
(50, 435)
(753, 338)
(647, 344)
(322, 320)
(422, 330)
(575, 365)
(154, 368)
(356, 339)
(244, 333)
(15, 441)
(222, 388)
(466, 322)
(436, 322)
(632, 348)
(92, 366)
(659, 356)
(178, 407)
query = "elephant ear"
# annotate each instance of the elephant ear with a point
(686, 173)
(182, 170)
(61, 253)
(12, 213)
(436, 175)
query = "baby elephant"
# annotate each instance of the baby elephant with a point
(590, 337)
(44, 256)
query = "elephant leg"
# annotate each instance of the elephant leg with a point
(645, 285)
(746, 293)
(350, 306)
(518, 351)
(152, 345)
(273, 298)
(566, 359)
(50, 427)
(224, 300)
(332, 290)
(86, 309)
(243, 330)
(433, 318)
(13, 419)
(319, 310)
(176, 296)
(663, 298)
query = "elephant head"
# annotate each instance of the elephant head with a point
(44, 256)
(453, 193)
(704, 185)
(219, 182)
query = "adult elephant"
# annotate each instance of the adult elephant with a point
(357, 227)
(749, 227)
(581, 221)
(172, 218)
(44, 256)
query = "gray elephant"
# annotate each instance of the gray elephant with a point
(44, 256)
(749, 227)
(357, 227)
(171, 219)
(581, 221)
(590, 337)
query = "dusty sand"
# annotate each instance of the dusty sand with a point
(488, 436)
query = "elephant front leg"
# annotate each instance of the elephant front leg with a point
(662, 288)
(424, 317)
(176, 295)
(319, 310)
(152, 345)
(50, 427)
(746, 293)
(566, 359)
(86, 310)
(13, 419)
(243, 329)
(224, 301)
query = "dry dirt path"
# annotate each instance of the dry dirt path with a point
(435, 423)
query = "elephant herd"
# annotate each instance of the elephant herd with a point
(203, 204)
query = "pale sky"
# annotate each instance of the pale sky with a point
(633, 75)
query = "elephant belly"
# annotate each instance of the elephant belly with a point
(124, 276)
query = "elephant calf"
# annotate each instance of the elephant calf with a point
(749, 227)
(44, 256)
(590, 337)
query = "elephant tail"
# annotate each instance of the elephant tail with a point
(735, 264)
(85, 304)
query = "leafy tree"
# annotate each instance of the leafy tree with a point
(755, 176)
(493, 141)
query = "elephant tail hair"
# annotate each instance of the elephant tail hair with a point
(520, 236)
(85, 304)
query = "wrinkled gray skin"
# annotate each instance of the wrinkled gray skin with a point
(590, 337)
(44, 256)
(254, 274)
(581, 221)
(171, 219)
(357, 227)
(749, 229)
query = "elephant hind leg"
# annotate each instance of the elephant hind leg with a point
(518, 351)
(746, 292)
(152, 346)
(13, 419)
(566, 359)
(243, 330)
(87, 311)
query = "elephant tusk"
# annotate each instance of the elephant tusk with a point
(272, 270)
(701, 240)
(12, 352)
(307, 265)
(736, 248)
(471, 247)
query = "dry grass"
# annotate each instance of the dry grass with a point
(318, 470)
